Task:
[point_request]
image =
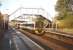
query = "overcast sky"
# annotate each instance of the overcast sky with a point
(8, 6)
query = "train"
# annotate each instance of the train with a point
(31, 29)
(36, 27)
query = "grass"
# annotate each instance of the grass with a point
(70, 31)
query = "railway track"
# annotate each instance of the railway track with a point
(55, 40)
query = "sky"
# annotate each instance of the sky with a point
(9, 6)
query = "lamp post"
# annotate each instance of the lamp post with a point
(54, 24)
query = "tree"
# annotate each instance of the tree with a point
(1, 30)
(1, 21)
(63, 7)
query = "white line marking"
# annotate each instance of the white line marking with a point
(30, 40)
(15, 43)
